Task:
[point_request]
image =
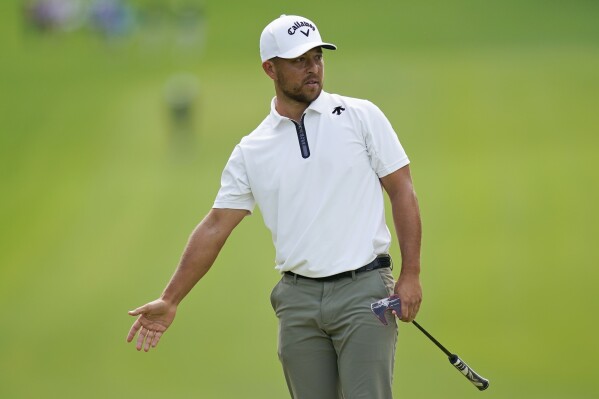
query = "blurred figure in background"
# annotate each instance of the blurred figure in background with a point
(175, 26)
(179, 26)
(54, 15)
(181, 95)
(112, 18)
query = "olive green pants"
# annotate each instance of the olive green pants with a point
(331, 345)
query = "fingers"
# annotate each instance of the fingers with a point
(405, 313)
(416, 309)
(141, 338)
(137, 325)
(149, 338)
(409, 310)
(134, 329)
(156, 339)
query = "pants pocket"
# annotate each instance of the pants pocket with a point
(273, 295)
(386, 278)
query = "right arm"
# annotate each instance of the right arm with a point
(200, 253)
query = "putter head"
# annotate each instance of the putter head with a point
(380, 307)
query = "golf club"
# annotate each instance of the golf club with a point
(392, 303)
(479, 381)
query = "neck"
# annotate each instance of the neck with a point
(289, 108)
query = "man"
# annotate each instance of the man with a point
(315, 167)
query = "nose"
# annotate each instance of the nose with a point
(312, 65)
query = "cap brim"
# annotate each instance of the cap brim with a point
(299, 50)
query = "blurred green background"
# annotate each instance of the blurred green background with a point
(496, 103)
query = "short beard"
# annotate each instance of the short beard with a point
(297, 96)
(300, 97)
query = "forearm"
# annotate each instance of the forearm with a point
(406, 217)
(200, 253)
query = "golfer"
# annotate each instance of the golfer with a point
(317, 167)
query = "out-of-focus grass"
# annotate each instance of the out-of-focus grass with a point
(496, 106)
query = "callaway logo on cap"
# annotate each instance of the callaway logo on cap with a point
(290, 36)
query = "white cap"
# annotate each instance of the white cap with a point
(290, 36)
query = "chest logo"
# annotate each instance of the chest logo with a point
(338, 110)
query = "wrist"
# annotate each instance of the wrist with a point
(410, 269)
(170, 300)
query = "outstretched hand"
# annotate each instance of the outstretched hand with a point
(154, 318)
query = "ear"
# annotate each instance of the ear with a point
(269, 68)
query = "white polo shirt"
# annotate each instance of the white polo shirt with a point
(317, 185)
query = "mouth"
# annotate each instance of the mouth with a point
(312, 83)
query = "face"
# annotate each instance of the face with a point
(299, 79)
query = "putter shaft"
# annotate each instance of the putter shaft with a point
(448, 353)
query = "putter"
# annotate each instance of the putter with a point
(392, 303)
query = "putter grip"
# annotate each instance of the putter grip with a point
(480, 382)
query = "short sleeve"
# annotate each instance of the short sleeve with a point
(384, 149)
(235, 191)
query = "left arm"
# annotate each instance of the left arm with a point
(406, 217)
